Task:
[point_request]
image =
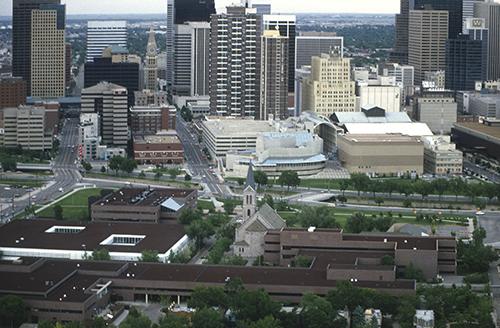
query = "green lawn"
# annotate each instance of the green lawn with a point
(75, 207)
(342, 214)
(206, 205)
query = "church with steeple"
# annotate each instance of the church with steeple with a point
(254, 222)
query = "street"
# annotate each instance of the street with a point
(197, 163)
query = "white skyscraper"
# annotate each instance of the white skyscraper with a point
(102, 34)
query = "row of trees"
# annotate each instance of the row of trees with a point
(119, 163)
(290, 179)
(255, 309)
(440, 187)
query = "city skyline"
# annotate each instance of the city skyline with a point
(75, 7)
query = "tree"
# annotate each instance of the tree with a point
(86, 166)
(344, 185)
(103, 169)
(128, 165)
(319, 217)
(440, 186)
(412, 272)
(207, 318)
(475, 257)
(234, 260)
(289, 179)
(174, 172)
(149, 256)
(199, 230)
(158, 175)
(29, 211)
(358, 317)
(58, 212)
(254, 305)
(12, 311)
(136, 320)
(379, 201)
(317, 312)
(188, 216)
(229, 206)
(261, 178)
(269, 200)
(387, 260)
(173, 321)
(142, 175)
(9, 164)
(187, 177)
(360, 182)
(423, 188)
(457, 185)
(101, 254)
(186, 114)
(358, 223)
(208, 297)
(115, 163)
(267, 322)
(302, 261)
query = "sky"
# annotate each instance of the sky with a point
(75, 7)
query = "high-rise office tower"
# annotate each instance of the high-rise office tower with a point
(21, 37)
(274, 75)
(453, 7)
(467, 56)
(103, 34)
(48, 51)
(262, 8)
(286, 24)
(329, 88)
(151, 65)
(468, 10)
(109, 101)
(116, 66)
(178, 13)
(310, 44)
(400, 51)
(68, 54)
(490, 11)
(464, 63)
(235, 62)
(427, 41)
(192, 45)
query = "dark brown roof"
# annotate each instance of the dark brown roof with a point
(403, 242)
(31, 234)
(142, 196)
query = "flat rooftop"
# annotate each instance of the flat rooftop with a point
(380, 138)
(157, 139)
(491, 131)
(142, 196)
(410, 129)
(79, 236)
(237, 127)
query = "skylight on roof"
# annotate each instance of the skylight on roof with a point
(123, 240)
(65, 229)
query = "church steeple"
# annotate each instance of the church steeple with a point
(249, 195)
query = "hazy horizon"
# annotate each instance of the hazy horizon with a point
(93, 7)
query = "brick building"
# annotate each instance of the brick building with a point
(12, 92)
(158, 149)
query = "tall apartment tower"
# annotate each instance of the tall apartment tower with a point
(180, 12)
(192, 46)
(235, 62)
(427, 41)
(21, 37)
(286, 24)
(103, 34)
(151, 65)
(274, 75)
(109, 101)
(490, 11)
(329, 89)
(48, 51)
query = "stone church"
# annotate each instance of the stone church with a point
(254, 223)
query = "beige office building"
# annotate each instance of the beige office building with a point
(31, 128)
(274, 75)
(441, 157)
(109, 101)
(48, 52)
(329, 88)
(151, 66)
(427, 41)
(390, 154)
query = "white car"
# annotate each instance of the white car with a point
(61, 190)
(479, 213)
